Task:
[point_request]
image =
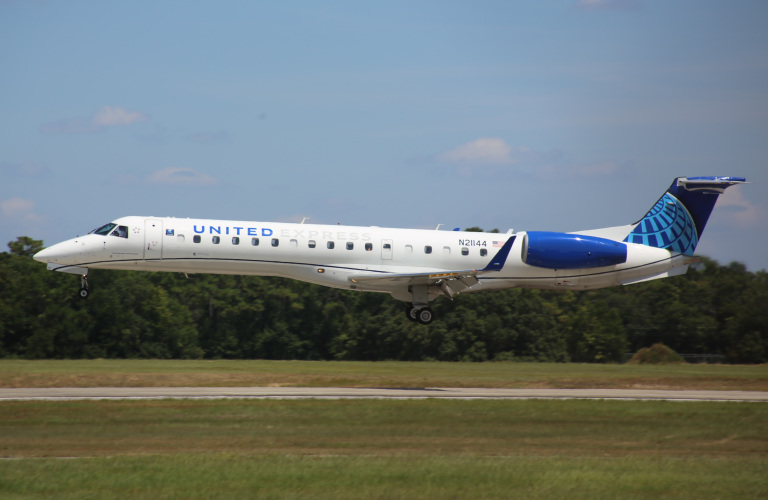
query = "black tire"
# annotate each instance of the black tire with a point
(410, 313)
(425, 316)
(83, 293)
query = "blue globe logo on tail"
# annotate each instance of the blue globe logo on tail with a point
(677, 220)
(667, 225)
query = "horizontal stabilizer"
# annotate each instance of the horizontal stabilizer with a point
(677, 271)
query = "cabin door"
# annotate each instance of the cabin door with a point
(153, 239)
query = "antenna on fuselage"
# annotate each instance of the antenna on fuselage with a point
(304, 219)
(438, 226)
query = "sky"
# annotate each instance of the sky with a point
(559, 116)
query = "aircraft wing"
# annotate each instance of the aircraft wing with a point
(451, 282)
(455, 281)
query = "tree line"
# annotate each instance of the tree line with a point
(714, 309)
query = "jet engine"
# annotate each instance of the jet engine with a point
(571, 251)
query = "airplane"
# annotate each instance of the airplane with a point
(415, 266)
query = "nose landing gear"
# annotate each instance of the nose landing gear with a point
(83, 293)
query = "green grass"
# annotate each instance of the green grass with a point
(576, 428)
(486, 427)
(346, 477)
(148, 373)
(383, 449)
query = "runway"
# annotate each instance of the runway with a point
(92, 393)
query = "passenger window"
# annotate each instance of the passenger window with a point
(330, 245)
(350, 245)
(216, 240)
(464, 251)
(312, 243)
(235, 240)
(368, 247)
(196, 238)
(428, 249)
(483, 252)
(255, 242)
(275, 242)
(387, 246)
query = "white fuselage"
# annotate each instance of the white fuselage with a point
(336, 255)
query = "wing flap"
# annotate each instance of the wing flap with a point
(451, 282)
(456, 281)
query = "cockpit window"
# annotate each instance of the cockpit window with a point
(105, 229)
(121, 231)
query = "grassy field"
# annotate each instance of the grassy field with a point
(344, 477)
(383, 449)
(153, 373)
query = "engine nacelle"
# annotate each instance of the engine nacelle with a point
(571, 251)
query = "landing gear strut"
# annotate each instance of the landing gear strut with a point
(83, 293)
(423, 314)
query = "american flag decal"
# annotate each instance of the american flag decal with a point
(497, 244)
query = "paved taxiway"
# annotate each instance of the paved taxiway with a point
(84, 393)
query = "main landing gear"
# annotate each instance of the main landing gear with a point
(423, 314)
(83, 293)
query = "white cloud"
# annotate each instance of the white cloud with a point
(16, 206)
(738, 208)
(493, 158)
(19, 209)
(495, 151)
(181, 176)
(109, 116)
(483, 151)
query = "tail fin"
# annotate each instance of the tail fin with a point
(677, 220)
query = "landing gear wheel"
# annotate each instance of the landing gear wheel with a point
(83, 293)
(410, 312)
(425, 316)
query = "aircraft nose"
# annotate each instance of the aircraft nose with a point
(43, 255)
(59, 252)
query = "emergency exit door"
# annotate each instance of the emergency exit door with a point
(386, 249)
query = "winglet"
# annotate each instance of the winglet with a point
(498, 260)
